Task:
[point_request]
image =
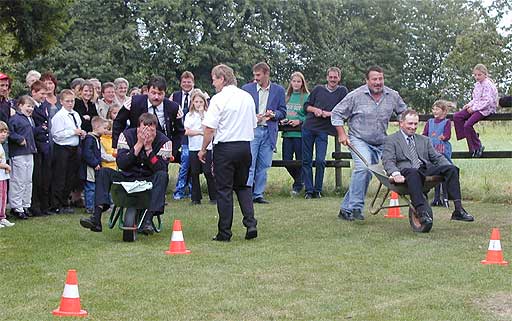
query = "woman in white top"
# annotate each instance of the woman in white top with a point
(194, 130)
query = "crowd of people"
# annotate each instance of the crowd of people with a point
(108, 133)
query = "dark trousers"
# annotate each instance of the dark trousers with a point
(65, 166)
(415, 178)
(291, 146)
(231, 162)
(41, 181)
(196, 167)
(106, 176)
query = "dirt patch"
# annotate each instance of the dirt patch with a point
(499, 305)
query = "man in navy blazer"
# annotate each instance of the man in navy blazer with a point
(269, 99)
(155, 102)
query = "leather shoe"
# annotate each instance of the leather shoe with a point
(91, 224)
(437, 202)
(147, 229)
(19, 215)
(462, 215)
(344, 215)
(219, 238)
(424, 217)
(251, 233)
(260, 200)
(357, 214)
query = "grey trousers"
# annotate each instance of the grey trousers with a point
(20, 185)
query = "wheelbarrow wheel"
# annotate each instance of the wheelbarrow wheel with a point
(416, 225)
(130, 225)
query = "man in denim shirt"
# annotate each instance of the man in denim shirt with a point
(367, 111)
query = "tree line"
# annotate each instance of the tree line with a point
(427, 48)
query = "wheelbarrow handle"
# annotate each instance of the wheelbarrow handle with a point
(361, 157)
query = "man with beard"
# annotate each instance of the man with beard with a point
(367, 111)
(154, 103)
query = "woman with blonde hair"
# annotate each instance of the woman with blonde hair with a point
(296, 94)
(195, 130)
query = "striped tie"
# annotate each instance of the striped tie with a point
(416, 163)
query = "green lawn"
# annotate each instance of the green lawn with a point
(305, 265)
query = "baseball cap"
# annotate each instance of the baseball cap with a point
(4, 76)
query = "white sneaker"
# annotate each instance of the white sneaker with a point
(6, 223)
(2, 226)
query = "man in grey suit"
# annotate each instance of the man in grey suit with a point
(409, 157)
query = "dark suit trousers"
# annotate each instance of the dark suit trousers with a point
(41, 180)
(415, 178)
(106, 176)
(65, 165)
(231, 162)
(196, 166)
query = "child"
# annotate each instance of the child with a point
(91, 160)
(296, 95)
(22, 147)
(439, 130)
(66, 134)
(107, 152)
(485, 96)
(5, 169)
(194, 130)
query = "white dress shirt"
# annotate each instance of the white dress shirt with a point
(63, 127)
(232, 113)
(159, 114)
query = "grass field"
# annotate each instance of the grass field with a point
(305, 265)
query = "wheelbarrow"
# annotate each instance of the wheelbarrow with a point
(387, 184)
(129, 212)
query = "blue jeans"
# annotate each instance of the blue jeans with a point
(183, 175)
(89, 188)
(293, 145)
(319, 140)
(361, 176)
(261, 151)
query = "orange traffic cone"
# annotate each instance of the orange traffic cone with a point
(394, 212)
(70, 300)
(177, 245)
(494, 253)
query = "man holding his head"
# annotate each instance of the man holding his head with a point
(154, 103)
(231, 117)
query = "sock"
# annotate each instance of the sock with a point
(458, 205)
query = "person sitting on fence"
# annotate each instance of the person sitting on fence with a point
(408, 158)
(143, 153)
(439, 129)
(484, 102)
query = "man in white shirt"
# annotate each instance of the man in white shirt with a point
(232, 117)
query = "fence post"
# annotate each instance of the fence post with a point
(337, 170)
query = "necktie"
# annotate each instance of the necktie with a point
(185, 103)
(74, 119)
(416, 163)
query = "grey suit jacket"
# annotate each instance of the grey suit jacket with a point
(395, 156)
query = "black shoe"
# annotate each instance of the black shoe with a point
(251, 233)
(195, 203)
(19, 215)
(308, 196)
(147, 229)
(260, 200)
(424, 217)
(437, 202)
(67, 210)
(28, 212)
(357, 214)
(317, 195)
(344, 215)
(54, 211)
(91, 224)
(219, 238)
(462, 216)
